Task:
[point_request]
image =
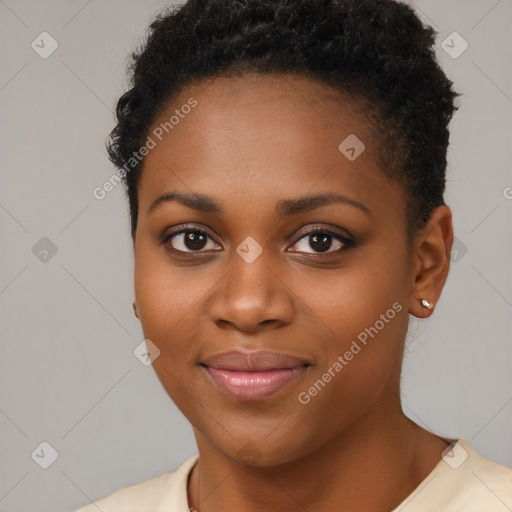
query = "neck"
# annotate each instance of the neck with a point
(372, 465)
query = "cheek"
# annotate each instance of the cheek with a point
(362, 319)
(163, 290)
(344, 302)
(165, 297)
(167, 302)
(359, 355)
(362, 328)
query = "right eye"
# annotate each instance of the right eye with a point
(190, 240)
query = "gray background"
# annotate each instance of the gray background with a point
(68, 375)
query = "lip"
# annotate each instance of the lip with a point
(253, 376)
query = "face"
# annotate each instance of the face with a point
(308, 297)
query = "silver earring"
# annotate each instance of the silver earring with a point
(426, 304)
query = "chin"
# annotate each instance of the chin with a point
(262, 450)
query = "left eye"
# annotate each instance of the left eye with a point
(321, 241)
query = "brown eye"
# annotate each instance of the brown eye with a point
(191, 240)
(321, 240)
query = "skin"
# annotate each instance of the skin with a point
(250, 142)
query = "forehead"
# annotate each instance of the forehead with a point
(263, 136)
(262, 104)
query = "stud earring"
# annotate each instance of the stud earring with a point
(426, 304)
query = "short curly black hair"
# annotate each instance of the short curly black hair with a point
(376, 52)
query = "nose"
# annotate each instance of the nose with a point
(251, 297)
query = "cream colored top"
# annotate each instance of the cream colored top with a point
(463, 481)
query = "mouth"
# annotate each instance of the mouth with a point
(250, 376)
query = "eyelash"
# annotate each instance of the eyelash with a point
(347, 242)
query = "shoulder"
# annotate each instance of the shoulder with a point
(145, 496)
(491, 479)
(480, 478)
(463, 481)
(142, 494)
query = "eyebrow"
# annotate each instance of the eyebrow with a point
(285, 207)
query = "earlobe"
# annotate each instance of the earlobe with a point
(432, 252)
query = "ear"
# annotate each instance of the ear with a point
(431, 261)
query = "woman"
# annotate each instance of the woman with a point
(285, 165)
